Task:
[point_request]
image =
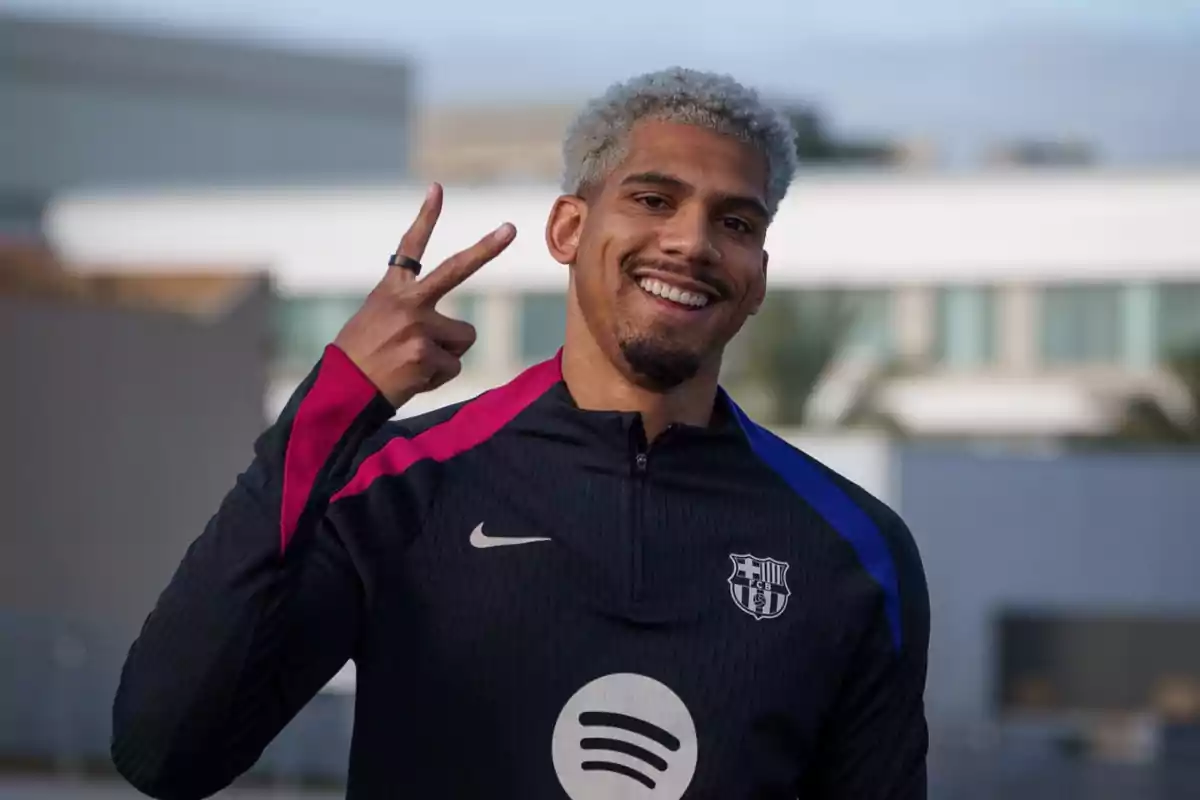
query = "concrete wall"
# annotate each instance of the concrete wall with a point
(121, 430)
(1079, 533)
(91, 106)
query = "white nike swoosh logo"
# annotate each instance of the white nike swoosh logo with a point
(481, 540)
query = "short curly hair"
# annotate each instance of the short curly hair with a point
(596, 139)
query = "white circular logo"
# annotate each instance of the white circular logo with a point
(624, 736)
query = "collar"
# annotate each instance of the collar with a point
(621, 436)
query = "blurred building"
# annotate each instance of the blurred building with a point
(501, 144)
(1003, 304)
(1064, 598)
(522, 143)
(130, 405)
(86, 105)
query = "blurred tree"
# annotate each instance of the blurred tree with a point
(815, 143)
(789, 346)
(1042, 153)
(795, 337)
(866, 409)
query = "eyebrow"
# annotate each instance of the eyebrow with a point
(671, 182)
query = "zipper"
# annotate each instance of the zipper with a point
(640, 468)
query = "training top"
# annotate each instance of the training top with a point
(538, 605)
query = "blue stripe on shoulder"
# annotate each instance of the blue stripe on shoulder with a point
(809, 480)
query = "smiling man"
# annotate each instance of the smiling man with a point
(601, 580)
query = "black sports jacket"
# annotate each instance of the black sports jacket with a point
(539, 605)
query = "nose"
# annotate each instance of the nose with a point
(687, 235)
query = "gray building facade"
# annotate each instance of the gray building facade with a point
(1079, 536)
(123, 426)
(1065, 643)
(85, 106)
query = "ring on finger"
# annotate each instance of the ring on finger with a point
(405, 262)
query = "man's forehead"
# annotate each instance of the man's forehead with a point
(694, 158)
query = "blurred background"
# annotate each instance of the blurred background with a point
(985, 309)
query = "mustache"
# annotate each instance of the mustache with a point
(704, 274)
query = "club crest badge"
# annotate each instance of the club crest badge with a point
(759, 585)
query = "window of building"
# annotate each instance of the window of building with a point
(857, 322)
(542, 325)
(965, 328)
(468, 307)
(1098, 662)
(1082, 324)
(870, 326)
(1178, 318)
(305, 325)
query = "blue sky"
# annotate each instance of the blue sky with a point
(961, 72)
(427, 26)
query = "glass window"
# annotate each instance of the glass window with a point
(1064, 661)
(865, 313)
(543, 325)
(305, 325)
(870, 331)
(1178, 318)
(468, 306)
(1082, 324)
(965, 334)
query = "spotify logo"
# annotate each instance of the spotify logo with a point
(624, 736)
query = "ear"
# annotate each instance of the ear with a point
(760, 291)
(564, 227)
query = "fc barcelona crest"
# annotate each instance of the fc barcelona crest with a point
(759, 585)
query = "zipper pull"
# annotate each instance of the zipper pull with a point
(639, 463)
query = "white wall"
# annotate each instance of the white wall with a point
(884, 229)
(865, 458)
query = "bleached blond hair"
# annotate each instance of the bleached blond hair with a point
(596, 140)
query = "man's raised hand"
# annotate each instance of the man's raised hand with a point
(398, 338)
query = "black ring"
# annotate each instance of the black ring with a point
(404, 262)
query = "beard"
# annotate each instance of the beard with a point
(657, 364)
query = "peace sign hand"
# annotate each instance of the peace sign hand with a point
(397, 338)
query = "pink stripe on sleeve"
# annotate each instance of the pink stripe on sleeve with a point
(339, 395)
(474, 424)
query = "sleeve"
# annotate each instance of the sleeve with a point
(264, 609)
(876, 741)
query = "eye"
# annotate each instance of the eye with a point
(738, 224)
(654, 202)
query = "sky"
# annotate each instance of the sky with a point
(769, 22)
(960, 72)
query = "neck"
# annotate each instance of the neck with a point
(597, 384)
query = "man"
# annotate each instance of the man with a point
(598, 581)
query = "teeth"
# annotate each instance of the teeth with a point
(674, 294)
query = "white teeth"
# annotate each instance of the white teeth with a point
(674, 294)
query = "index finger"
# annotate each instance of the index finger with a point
(460, 266)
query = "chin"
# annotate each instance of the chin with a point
(659, 365)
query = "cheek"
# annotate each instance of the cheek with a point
(594, 280)
(606, 261)
(751, 283)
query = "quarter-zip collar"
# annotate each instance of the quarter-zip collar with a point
(619, 436)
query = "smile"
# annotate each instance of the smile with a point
(674, 294)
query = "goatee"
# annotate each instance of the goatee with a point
(657, 365)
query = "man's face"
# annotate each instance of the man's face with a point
(667, 254)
